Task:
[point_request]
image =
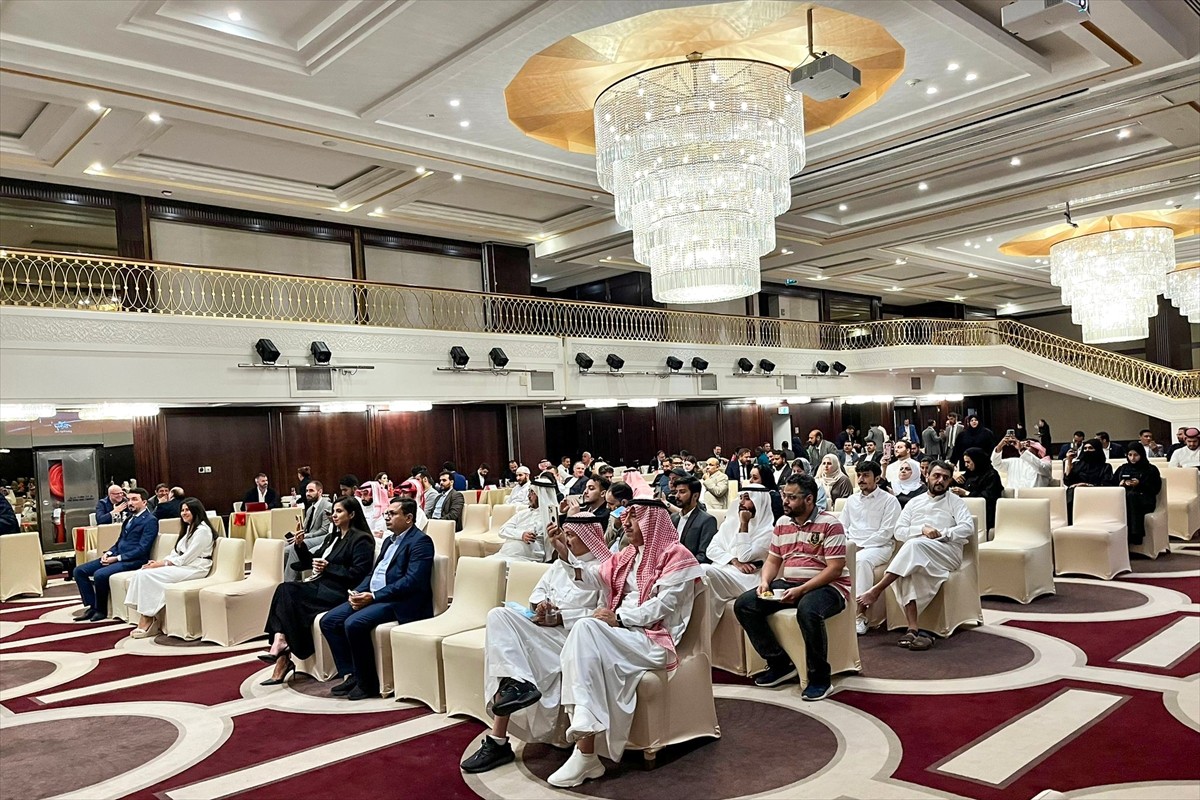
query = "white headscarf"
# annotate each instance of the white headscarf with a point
(902, 486)
(761, 525)
(547, 495)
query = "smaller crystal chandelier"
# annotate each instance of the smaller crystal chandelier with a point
(1183, 290)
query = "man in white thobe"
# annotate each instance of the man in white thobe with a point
(1030, 466)
(1189, 454)
(525, 534)
(519, 496)
(933, 528)
(738, 550)
(522, 657)
(869, 520)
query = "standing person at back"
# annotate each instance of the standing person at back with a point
(932, 442)
(950, 435)
(908, 432)
(818, 448)
(875, 433)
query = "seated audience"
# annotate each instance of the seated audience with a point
(869, 520)
(1180, 438)
(347, 486)
(311, 529)
(1088, 469)
(564, 469)
(1112, 450)
(1025, 462)
(616, 501)
(807, 563)
(832, 479)
(8, 517)
(739, 467)
(592, 501)
(111, 508)
(577, 480)
(449, 502)
(933, 529)
(169, 505)
(459, 482)
(399, 589)
(481, 479)
(762, 476)
(871, 452)
(510, 473)
(191, 558)
(1153, 448)
(524, 534)
(522, 658)
(161, 492)
(374, 500)
(903, 455)
(908, 484)
(519, 496)
(1189, 454)
(716, 484)
(647, 591)
(261, 492)
(338, 564)
(130, 551)
(696, 526)
(848, 456)
(781, 470)
(736, 554)
(1142, 483)
(980, 479)
(1073, 446)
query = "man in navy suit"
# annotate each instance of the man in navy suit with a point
(739, 467)
(114, 505)
(399, 589)
(131, 551)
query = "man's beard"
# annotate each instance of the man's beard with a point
(366, 501)
(933, 489)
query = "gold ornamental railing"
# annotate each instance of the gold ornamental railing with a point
(52, 280)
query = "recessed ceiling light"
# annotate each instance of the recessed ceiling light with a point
(1003, 372)
(970, 76)
(154, 117)
(976, 245)
(785, 252)
(820, 277)
(931, 90)
(901, 261)
(1170, 203)
(235, 15)
(466, 123)
(967, 243)
(1123, 133)
(987, 239)
(167, 193)
(457, 177)
(1197, 197)
(533, 277)
(843, 207)
(379, 209)
(1015, 161)
(455, 103)
(972, 275)
(420, 170)
(894, 289)
(958, 298)
(343, 204)
(952, 66)
(94, 105)
(922, 186)
(595, 197)
(96, 167)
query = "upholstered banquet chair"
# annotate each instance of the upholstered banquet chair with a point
(957, 601)
(118, 583)
(1019, 562)
(1158, 535)
(1097, 543)
(21, 564)
(1057, 495)
(183, 599)
(232, 613)
(1183, 502)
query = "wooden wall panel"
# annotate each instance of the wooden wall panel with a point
(743, 425)
(235, 443)
(821, 415)
(150, 449)
(332, 444)
(562, 439)
(698, 428)
(529, 434)
(638, 436)
(481, 436)
(408, 438)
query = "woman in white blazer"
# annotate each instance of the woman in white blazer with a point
(191, 558)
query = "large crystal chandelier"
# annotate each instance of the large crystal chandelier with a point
(1183, 289)
(1112, 280)
(699, 156)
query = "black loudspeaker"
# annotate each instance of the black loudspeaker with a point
(674, 364)
(699, 364)
(320, 352)
(766, 366)
(821, 367)
(838, 367)
(745, 364)
(584, 361)
(614, 361)
(459, 357)
(497, 357)
(267, 351)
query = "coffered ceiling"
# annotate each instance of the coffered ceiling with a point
(391, 113)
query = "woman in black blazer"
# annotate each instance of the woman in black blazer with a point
(339, 564)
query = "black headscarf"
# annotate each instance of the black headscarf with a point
(983, 481)
(1148, 477)
(1090, 466)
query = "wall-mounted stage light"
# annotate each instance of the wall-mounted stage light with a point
(674, 364)
(498, 358)
(745, 365)
(584, 361)
(699, 364)
(821, 367)
(838, 367)
(267, 351)
(766, 366)
(320, 353)
(459, 357)
(614, 361)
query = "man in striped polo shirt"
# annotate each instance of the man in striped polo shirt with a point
(807, 563)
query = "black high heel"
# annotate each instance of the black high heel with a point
(287, 672)
(267, 658)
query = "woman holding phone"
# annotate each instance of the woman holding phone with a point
(338, 565)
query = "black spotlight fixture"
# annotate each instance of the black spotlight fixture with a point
(699, 364)
(766, 366)
(745, 364)
(614, 361)
(498, 358)
(459, 357)
(674, 364)
(838, 367)
(584, 361)
(320, 353)
(267, 351)
(821, 367)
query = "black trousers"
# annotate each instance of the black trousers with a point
(811, 612)
(294, 608)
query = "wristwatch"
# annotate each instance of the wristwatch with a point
(620, 622)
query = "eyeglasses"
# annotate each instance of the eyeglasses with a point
(390, 514)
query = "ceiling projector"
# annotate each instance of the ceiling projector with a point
(1032, 19)
(826, 78)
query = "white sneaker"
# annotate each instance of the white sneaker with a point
(579, 768)
(860, 626)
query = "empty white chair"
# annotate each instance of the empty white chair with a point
(283, 521)
(1097, 543)
(1183, 502)
(232, 613)
(978, 508)
(1019, 562)
(1057, 495)
(21, 564)
(118, 584)
(488, 542)
(183, 599)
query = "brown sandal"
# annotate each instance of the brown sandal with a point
(922, 641)
(907, 639)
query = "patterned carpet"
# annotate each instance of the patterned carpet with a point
(1093, 692)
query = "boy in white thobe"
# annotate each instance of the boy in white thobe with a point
(869, 519)
(648, 590)
(523, 654)
(738, 550)
(525, 534)
(933, 527)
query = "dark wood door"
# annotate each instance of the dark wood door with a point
(235, 444)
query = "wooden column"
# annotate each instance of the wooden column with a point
(150, 451)
(506, 269)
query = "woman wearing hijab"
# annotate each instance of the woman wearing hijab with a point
(1142, 483)
(523, 657)
(739, 549)
(191, 558)
(647, 591)
(832, 479)
(339, 564)
(907, 486)
(764, 477)
(973, 435)
(980, 479)
(1089, 468)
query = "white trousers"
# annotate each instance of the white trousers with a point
(148, 587)
(517, 648)
(601, 669)
(726, 582)
(923, 565)
(865, 562)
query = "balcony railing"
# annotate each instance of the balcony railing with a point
(50, 280)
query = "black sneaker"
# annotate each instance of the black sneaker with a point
(491, 754)
(514, 697)
(815, 692)
(344, 687)
(358, 693)
(774, 676)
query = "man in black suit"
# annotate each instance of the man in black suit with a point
(1111, 449)
(780, 467)
(695, 525)
(399, 589)
(450, 502)
(481, 478)
(262, 493)
(739, 468)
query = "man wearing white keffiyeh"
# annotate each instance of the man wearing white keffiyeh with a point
(738, 550)
(525, 534)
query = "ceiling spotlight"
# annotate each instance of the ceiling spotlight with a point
(967, 243)
(987, 238)
(1121, 134)
(614, 361)
(1015, 161)
(745, 365)
(972, 275)
(94, 105)
(235, 15)
(584, 361)
(838, 367)
(970, 76)
(900, 262)
(498, 358)
(459, 357)
(931, 90)
(343, 205)
(420, 170)
(166, 193)
(785, 252)
(154, 117)
(378, 209)
(466, 123)
(766, 366)
(952, 66)
(320, 352)
(674, 364)
(457, 177)
(267, 351)
(922, 186)
(96, 167)
(455, 103)
(699, 364)
(843, 207)
(894, 288)
(821, 367)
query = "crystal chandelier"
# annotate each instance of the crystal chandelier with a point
(1112, 280)
(699, 156)
(1183, 290)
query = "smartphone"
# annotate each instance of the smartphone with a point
(1010, 433)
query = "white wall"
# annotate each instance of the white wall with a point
(1067, 414)
(218, 247)
(423, 269)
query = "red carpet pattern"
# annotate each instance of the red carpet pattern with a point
(1094, 693)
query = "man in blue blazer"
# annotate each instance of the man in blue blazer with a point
(131, 551)
(399, 589)
(114, 505)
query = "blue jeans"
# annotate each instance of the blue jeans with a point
(811, 612)
(92, 580)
